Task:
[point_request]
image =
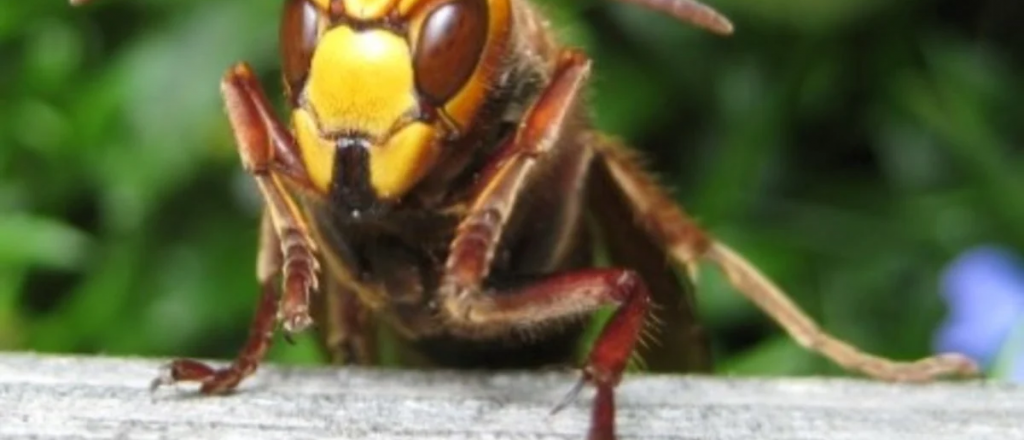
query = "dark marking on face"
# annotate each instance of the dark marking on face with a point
(352, 192)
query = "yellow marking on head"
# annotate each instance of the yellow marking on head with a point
(395, 166)
(406, 6)
(360, 81)
(368, 9)
(324, 5)
(317, 152)
(403, 160)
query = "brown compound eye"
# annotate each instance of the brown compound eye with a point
(449, 46)
(299, 36)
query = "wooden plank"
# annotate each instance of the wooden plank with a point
(53, 397)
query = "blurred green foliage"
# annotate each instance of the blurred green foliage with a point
(849, 147)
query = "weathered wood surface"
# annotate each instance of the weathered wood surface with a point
(64, 397)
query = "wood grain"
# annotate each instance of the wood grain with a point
(52, 397)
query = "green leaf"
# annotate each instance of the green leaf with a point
(39, 241)
(778, 356)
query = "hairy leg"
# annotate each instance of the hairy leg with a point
(688, 244)
(473, 310)
(268, 153)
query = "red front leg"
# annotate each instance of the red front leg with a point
(261, 331)
(287, 253)
(487, 313)
(473, 310)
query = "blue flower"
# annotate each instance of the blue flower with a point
(984, 292)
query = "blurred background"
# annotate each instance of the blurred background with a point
(856, 150)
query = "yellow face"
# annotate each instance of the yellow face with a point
(378, 86)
